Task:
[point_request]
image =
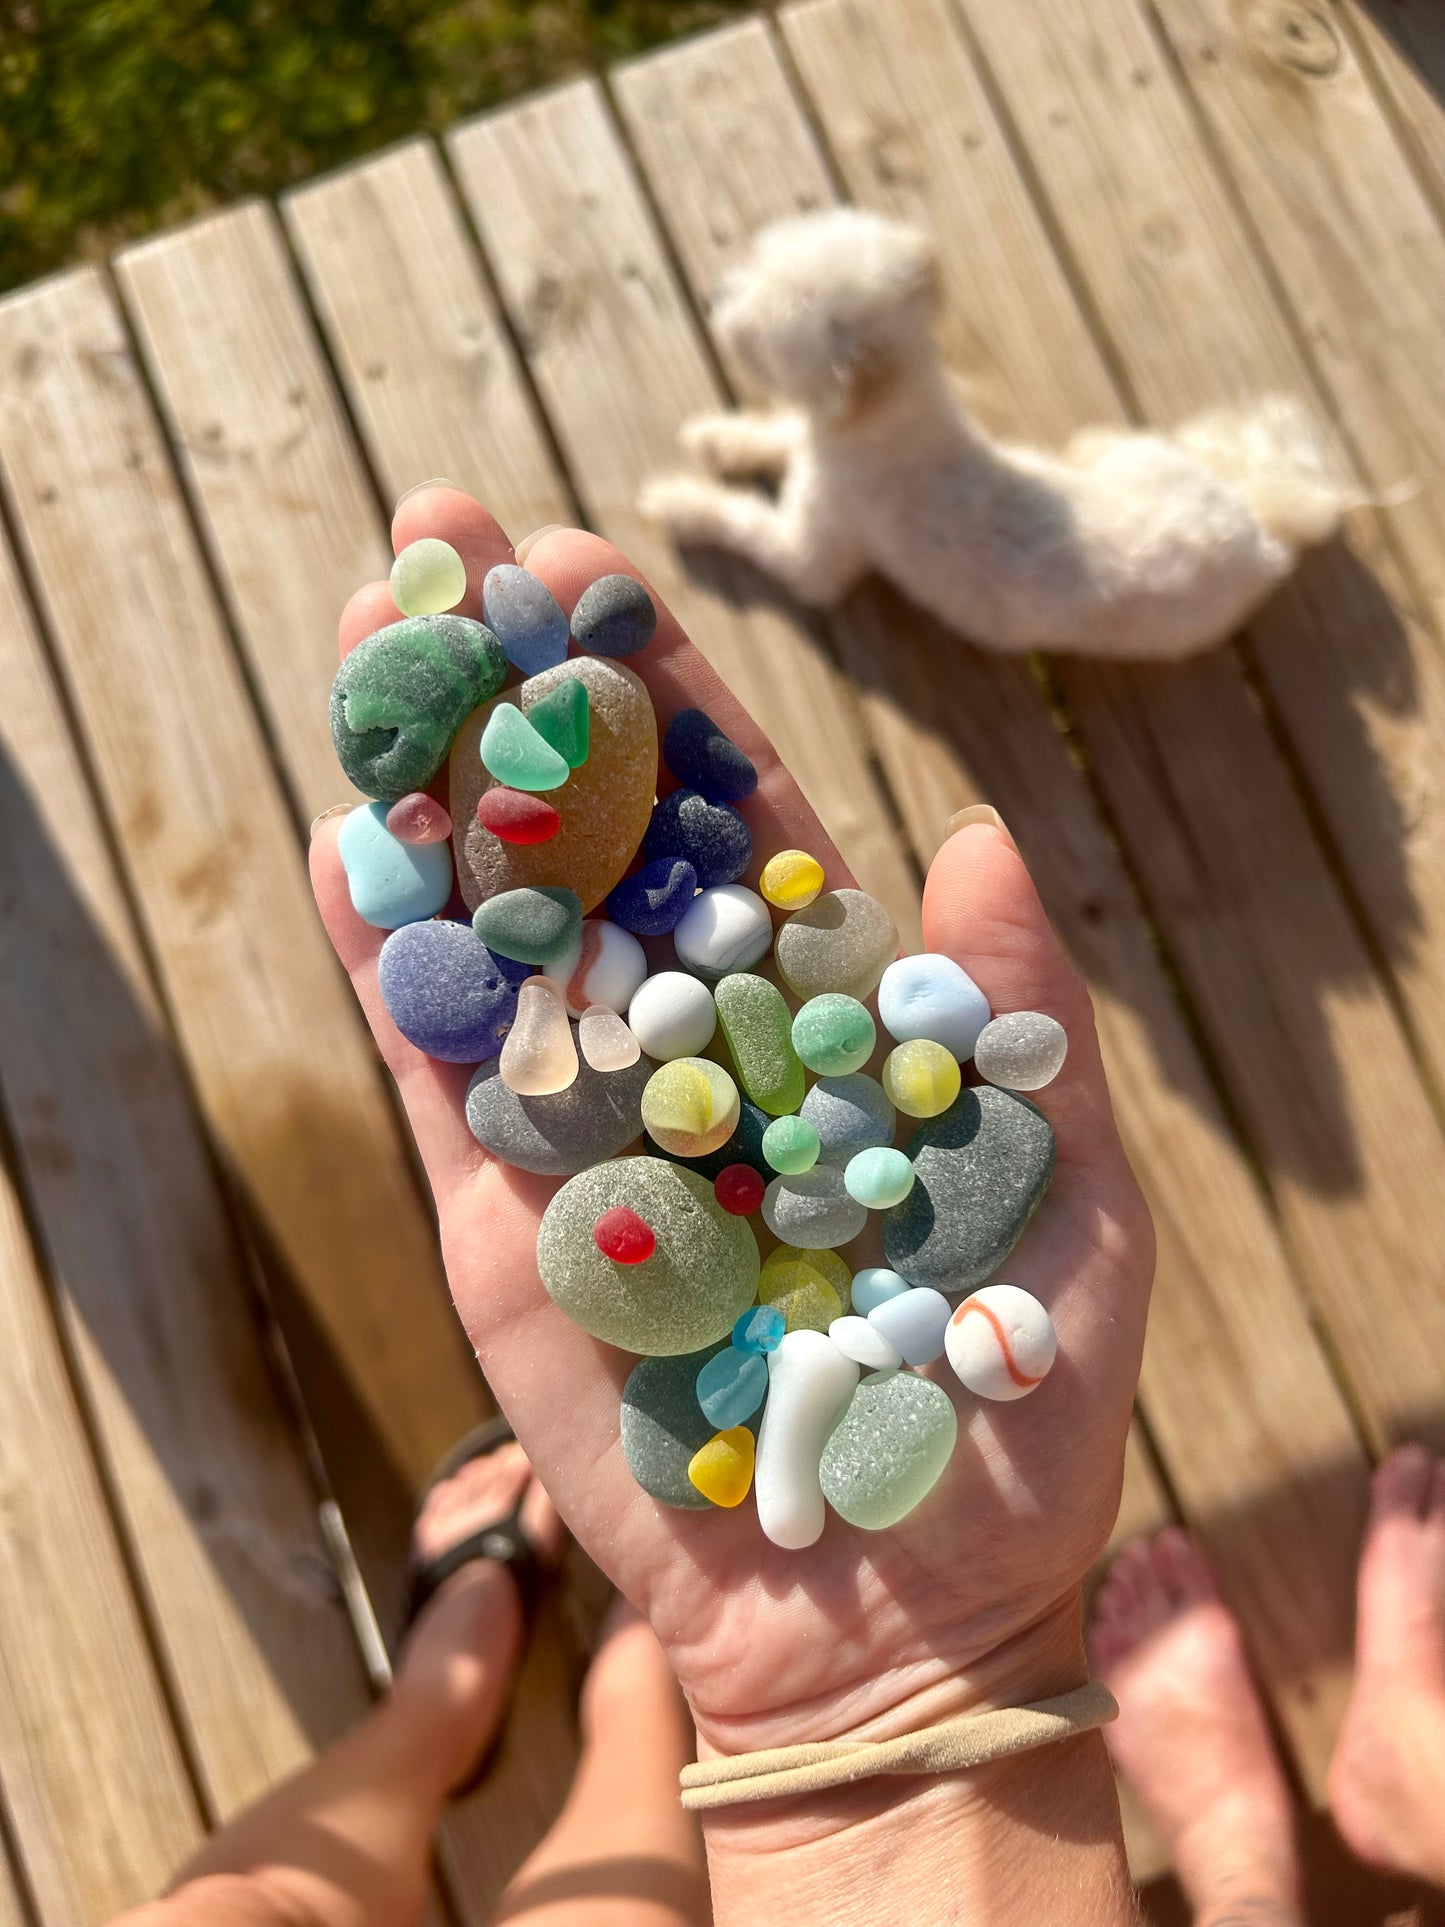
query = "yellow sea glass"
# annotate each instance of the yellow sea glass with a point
(722, 1470)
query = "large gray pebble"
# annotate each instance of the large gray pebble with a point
(596, 1117)
(979, 1173)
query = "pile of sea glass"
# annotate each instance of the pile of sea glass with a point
(618, 983)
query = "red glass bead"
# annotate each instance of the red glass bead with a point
(515, 817)
(622, 1236)
(739, 1188)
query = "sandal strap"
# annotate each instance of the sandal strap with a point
(504, 1543)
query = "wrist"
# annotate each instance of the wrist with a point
(1008, 1840)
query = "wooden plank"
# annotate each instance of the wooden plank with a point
(725, 148)
(286, 1080)
(1287, 990)
(207, 1470)
(434, 382)
(1404, 48)
(96, 1793)
(286, 508)
(13, 1912)
(1281, 981)
(1356, 247)
(617, 360)
(230, 391)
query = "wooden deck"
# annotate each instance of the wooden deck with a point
(227, 1358)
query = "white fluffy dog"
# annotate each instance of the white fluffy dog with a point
(1128, 544)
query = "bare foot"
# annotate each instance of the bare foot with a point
(622, 1852)
(1387, 1779)
(1191, 1735)
(463, 1650)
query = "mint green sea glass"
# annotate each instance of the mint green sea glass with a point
(516, 755)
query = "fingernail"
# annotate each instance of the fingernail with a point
(437, 481)
(337, 809)
(529, 542)
(975, 813)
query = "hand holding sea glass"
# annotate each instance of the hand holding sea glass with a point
(971, 1592)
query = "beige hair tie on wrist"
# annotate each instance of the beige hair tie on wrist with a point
(968, 1740)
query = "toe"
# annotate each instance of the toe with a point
(1401, 1486)
(1130, 1581)
(1182, 1568)
(476, 1495)
(542, 1522)
(1107, 1646)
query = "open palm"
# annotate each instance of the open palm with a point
(974, 1597)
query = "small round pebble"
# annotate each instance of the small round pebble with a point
(419, 818)
(850, 1114)
(722, 1470)
(700, 1279)
(879, 1177)
(760, 1330)
(790, 1144)
(915, 1321)
(533, 925)
(619, 1234)
(597, 1116)
(864, 1344)
(841, 942)
(524, 615)
(614, 617)
(605, 1041)
(739, 1188)
(1021, 1052)
(722, 930)
(704, 759)
(428, 577)
(813, 1209)
(518, 755)
(834, 1034)
(921, 1078)
(791, 880)
(1001, 1342)
(932, 996)
(732, 1386)
(539, 1057)
(874, 1285)
(979, 1172)
(809, 1288)
(712, 837)
(517, 817)
(605, 966)
(672, 1015)
(889, 1450)
(654, 899)
(690, 1107)
(391, 883)
(445, 992)
(662, 1427)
